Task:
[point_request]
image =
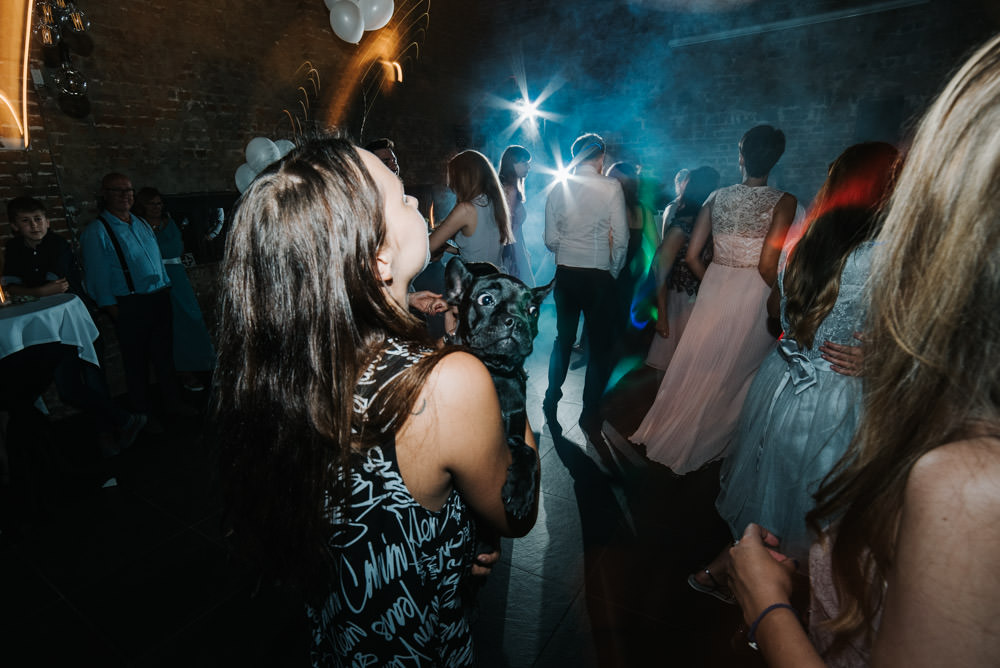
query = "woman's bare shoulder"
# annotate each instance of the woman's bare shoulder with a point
(460, 376)
(964, 475)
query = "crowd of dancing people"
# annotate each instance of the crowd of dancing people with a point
(843, 365)
(861, 448)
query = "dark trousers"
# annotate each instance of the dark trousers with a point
(82, 385)
(591, 292)
(145, 337)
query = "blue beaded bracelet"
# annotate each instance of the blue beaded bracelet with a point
(752, 633)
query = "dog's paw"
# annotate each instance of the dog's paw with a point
(522, 475)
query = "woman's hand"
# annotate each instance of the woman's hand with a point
(427, 302)
(758, 575)
(845, 360)
(663, 326)
(484, 562)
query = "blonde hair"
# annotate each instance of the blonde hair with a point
(931, 371)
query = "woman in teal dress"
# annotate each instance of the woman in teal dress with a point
(193, 350)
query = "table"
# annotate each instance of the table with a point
(54, 319)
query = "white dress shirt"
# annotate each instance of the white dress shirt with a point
(585, 222)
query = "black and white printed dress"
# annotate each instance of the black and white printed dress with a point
(396, 598)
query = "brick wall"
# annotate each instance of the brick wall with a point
(177, 89)
(827, 85)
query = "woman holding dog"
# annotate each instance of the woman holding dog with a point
(356, 457)
(479, 224)
(906, 573)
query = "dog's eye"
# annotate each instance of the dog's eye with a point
(486, 299)
(532, 310)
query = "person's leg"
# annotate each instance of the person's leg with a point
(82, 386)
(567, 318)
(161, 347)
(131, 330)
(599, 324)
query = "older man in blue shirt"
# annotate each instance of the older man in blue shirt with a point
(124, 273)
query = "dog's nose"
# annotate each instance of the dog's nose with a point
(508, 321)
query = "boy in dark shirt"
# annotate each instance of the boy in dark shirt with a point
(37, 263)
(40, 264)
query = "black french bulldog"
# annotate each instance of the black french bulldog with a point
(498, 322)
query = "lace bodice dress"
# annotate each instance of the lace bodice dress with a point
(797, 421)
(741, 218)
(698, 403)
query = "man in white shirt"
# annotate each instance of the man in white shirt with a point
(587, 229)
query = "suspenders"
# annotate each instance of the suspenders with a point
(121, 255)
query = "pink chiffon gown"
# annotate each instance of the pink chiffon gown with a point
(694, 415)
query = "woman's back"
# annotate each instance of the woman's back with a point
(483, 245)
(741, 218)
(398, 567)
(847, 315)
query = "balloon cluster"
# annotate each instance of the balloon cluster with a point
(260, 153)
(351, 18)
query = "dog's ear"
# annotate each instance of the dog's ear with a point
(539, 294)
(456, 280)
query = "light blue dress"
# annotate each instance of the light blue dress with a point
(193, 350)
(796, 423)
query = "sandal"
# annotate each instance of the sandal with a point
(715, 589)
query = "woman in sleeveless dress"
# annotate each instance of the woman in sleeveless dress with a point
(356, 458)
(480, 222)
(676, 285)
(906, 572)
(193, 349)
(802, 410)
(514, 166)
(692, 419)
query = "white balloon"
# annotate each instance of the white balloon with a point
(376, 13)
(331, 3)
(346, 21)
(260, 153)
(244, 177)
(284, 146)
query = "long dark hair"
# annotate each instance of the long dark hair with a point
(512, 155)
(302, 313)
(844, 214)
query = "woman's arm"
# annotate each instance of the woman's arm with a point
(461, 219)
(699, 237)
(759, 578)
(843, 359)
(456, 438)
(668, 252)
(941, 599)
(781, 220)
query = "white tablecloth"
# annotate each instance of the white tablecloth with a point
(55, 319)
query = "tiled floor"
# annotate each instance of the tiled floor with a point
(136, 574)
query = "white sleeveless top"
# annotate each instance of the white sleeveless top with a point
(484, 244)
